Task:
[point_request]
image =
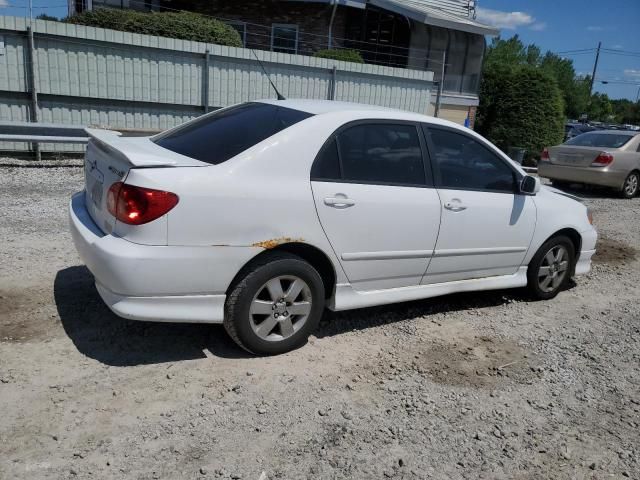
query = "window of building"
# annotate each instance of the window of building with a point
(456, 58)
(438, 44)
(241, 28)
(473, 66)
(463, 163)
(284, 38)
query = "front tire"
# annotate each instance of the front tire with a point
(276, 304)
(550, 268)
(631, 185)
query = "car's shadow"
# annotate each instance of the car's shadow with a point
(100, 334)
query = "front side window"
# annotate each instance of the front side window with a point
(377, 153)
(219, 136)
(463, 163)
(600, 140)
(284, 38)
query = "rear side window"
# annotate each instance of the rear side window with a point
(376, 153)
(600, 140)
(465, 164)
(217, 137)
(327, 164)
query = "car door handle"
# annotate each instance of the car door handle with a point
(454, 206)
(339, 202)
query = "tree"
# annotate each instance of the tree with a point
(600, 108)
(346, 55)
(626, 111)
(520, 106)
(575, 90)
(44, 16)
(512, 53)
(184, 25)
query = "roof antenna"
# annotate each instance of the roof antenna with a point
(280, 97)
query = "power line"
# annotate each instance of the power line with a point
(621, 82)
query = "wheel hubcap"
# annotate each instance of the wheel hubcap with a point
(553, 269)
(631, 185)
(280, 308)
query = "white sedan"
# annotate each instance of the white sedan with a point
(262, 214)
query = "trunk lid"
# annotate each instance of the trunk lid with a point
(109, 158)
(574, 156)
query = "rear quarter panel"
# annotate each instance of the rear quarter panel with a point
(260, 198)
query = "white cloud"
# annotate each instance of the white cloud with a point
(630, 72)
(617, 47)
(4, 3)
(538, 27)
(595, 28)
(505, 20)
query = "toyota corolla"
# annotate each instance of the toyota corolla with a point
(260, 215)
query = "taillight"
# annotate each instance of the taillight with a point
(545, 155)
(138, 205)
(602, 160)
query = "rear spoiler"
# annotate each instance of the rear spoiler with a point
(138, 151)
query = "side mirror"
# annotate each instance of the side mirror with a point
(529, 185)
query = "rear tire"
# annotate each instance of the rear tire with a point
(275, 305)
(551, 268)
(631, 185)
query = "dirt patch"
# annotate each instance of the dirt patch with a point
(613, 252)
(463, 360)
(17, 327)
(477, 362)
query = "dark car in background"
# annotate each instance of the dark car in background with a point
(574, 129)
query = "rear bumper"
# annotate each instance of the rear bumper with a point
(605, 177)
(156, 283)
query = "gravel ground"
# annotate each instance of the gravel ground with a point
(484, 385)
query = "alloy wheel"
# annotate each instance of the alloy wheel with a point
(553, 269)
(631, 185)
(280, 308)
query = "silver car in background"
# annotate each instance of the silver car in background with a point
(609, 158)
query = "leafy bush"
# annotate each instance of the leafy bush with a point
(345, 55)
(520, 106)
(44, 16)
(183, 25)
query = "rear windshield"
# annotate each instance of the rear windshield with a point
(217, 137)
(601, 140)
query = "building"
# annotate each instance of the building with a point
(417, 34)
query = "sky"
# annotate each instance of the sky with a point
(556, 25)
(570, 25)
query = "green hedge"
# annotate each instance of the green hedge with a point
(520, 107)
(183, 25)
(343, 55)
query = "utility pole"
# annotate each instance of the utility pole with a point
(595, 67)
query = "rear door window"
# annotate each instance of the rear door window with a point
(217, 137)
(373, 153)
